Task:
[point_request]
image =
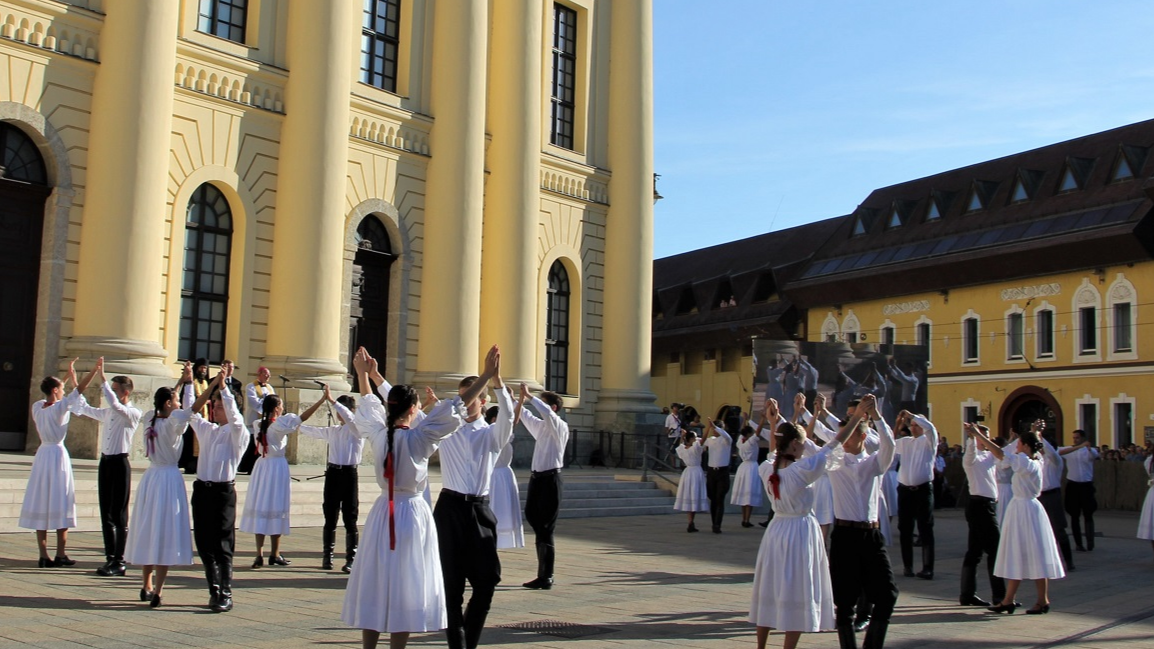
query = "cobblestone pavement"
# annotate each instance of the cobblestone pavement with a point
(622, 582)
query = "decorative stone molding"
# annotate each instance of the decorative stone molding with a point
(584, 183)
(1087, 296)
(390, 133)
(913, 306)
(59, 33)
(1027, 292)
(231, 86)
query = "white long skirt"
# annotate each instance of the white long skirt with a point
(691, 494)
(266, 505)
(394, 591)
(747, 487)
(792, 590)
(823, 500)
(1005, 495)
(505, 499)
(1027, 549)
(884, 520)
(890, 490)
(50, 499)
(160, 534)
(1146, 521)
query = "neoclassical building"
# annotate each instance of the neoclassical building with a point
(279, 181)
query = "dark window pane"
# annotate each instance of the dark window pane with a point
(204, 294)
(564, 75)
(379, 42)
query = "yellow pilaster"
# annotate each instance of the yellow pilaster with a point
(512, 195)
(625, 396)
(305, 302)
(118, 294)
(451, 257)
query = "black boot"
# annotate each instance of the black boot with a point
(1089, 533)
(544, 580)
(224, 602)
(329, 544)
(969, 594)
(997, 584)
(351, 540)
(846, 637)
(875, 638)
(212, 575)
(863, 611)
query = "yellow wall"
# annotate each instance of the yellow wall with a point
(707, 389)
(1071, 377)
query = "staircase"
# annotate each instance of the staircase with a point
(608, 495)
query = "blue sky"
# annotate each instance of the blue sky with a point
(770, 114)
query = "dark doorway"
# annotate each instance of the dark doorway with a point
(369, 299)
(23, 191)
(1027, 404)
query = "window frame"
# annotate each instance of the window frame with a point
(564, 52)
(1015, 338)
(370, 38)
(1041, 334)
(971, 340)
(205, 196)
(1122, 293)
(558, 297)
(215, 22)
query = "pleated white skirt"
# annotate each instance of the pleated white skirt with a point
(747, 489)
(399, 590)
(50, 499)
(160, 534)
(1005, 495)
(266, 505)
(823, 500)
(1146, 521)
(505, 499)
(691, 494)
(792, 590)
(1027, 549)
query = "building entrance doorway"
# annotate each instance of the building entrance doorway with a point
(23, 191)
(369, 300)
(1027, 404)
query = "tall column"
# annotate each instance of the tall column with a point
(118, 292)
(512, 195)
(304, 330)
(625, 399)
(454, 196)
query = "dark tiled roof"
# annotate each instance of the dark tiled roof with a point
(1104, 221)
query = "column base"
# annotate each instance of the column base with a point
(302, 372)
(121, 355)
(628, 411)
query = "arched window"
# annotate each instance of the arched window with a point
(371, 235)
(19, 158)
(204, 290)
(557, 330)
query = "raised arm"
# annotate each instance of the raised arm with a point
(198, 405)
(83, 384)
(534, 424)
(930, 430)
(227, 399)
(492, 369)
(313, 408)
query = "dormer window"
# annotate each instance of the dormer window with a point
(1075, 173)
(933, 212)
(1025, 185)
(895, 219)
(1128, 163)
(1122, 170)
(863, 221)
(1019, 195)
(686, 303)
(980, 195)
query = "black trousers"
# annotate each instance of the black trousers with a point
(858, 563)
(916, 505)
(467, 534)
(113, 484)
(717, 486)
(188, 458)
(982, 518)
(1081, 502)
(542, 504)
(214, 530)
(342, 498)
(1051, 500)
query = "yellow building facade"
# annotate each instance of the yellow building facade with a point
(277, 181)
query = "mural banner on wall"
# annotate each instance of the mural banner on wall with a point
(842, 372)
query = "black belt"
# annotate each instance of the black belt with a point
(924, 485)
(984, 499)
(469, 498)
(342, 467)
(549, 472)
(859, 525)
(210, 485)
(718, 468)
(113, 455)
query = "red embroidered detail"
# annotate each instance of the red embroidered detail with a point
(774, 485)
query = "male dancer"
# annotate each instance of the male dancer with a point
(544, 499)
(982, 517)
(191, 450)
(720, 446)
(466, 526)
(341, 497)
(915, 490)
(1080, 500)
(1051, 499)
(114, 474)
(857, 557)
(222, 441)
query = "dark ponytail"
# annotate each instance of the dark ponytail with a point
(785, 435)
(160, 399)
(401, 399)
(267, 416)
(1032, 442)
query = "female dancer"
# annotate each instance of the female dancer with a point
(792, 591)
(161, 535)
(396, 585)
(1005, 476)
(691, 495)
(50, 499)
(266, 507)
(1146, 522)
(504, 494)
(746, 486)
(1027, 549)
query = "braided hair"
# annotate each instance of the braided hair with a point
(786, 435)
(1032, 442)
(160, 399)
(267, 416)
(402, 398)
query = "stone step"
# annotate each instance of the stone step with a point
(597, 512)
